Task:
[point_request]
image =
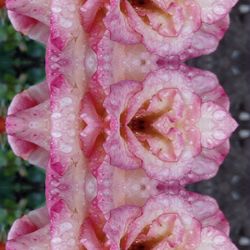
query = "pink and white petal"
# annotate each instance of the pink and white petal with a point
(170, 204)
(164, 79)
(117, 61)
(88, 237)
(121, 92)
(219, 97)
(29, 223)
(29, 98)
(92, 122)
(180, 15)
(156, 43)
(30, 230)
(29, 26)
(117, 149)
(67, 169)
(117, 187)
(30, 18)
(157, 168)
(206, 85)
(27, 124)
(117, 225)
(207, 212)
(132, 187)
(213, 10)
(38, 239)
(114, 20)
(66, 172)
(105, 195)
(206, 39)
(39, 157)
(216, 125)
(166, 45)
(39, 92)
(31, 125)
(206, 165)
(213, 239)
(29, 151)
(89, 11)
(38, 10)
(218, 28)
(217, 154)
(200, 168)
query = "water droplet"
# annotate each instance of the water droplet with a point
(66, 148)
(56, 134)
(66, 23)
(56, 115)
(219, 240)
(56, 9)
(219, 115)
(219, 135)
(219, 10)
(56, 240)
(66, 101)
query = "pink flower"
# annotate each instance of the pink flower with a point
(120, 124)
(30, 18)
(175, 125)
(182, 28)
(186, 221)
(180, 220)
(29, 231)
(28, 125)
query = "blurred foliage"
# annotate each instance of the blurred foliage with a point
(21, 65)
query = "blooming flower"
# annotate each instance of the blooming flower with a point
(30, 17)
(180, 220)
(181, 28)
(175, 125)
(28, 124)
(30, 230)
(120, 124)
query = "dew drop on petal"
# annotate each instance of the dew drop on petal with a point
(219, 115)
(219, 135)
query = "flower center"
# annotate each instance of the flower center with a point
(156, 125)
(167, 230)
(165, 18)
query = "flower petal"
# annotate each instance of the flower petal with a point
(115, 143)
(213, 10)
(30, 230)
(214, 239)
(30, 17)
(216, 125)
(28, 124)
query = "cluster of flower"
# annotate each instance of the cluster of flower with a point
(121, 124)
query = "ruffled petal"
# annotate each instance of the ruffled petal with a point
(216, 125)
(31, 230)
(30, 17)
(214, 239)
(28, 124)
(214, 10)
(115, 143)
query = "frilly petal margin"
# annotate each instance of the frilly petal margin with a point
(130, 117)
(134, 231)
(32, 230)
(30, 18)
(198, 35)
(28, 124)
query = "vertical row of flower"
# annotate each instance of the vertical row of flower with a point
(121, 124)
